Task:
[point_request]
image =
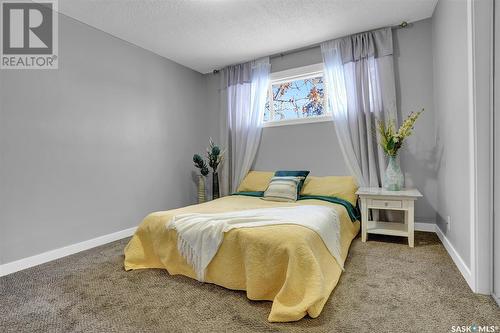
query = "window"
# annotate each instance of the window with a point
(296, 96)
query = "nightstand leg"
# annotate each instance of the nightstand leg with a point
(411, 225)
(364, 219)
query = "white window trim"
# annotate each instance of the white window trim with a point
(299, 121)
(290, 75)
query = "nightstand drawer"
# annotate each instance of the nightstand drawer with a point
(386, 203)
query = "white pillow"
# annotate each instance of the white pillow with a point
(282, 189)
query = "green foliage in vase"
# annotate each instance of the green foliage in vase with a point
(390, 139)
(215, 155)
(200, 164)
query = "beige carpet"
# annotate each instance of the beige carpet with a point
(387, 287)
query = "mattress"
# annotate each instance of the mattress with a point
(286, 264)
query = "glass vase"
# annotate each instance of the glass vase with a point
(201, 189)
(393, 178)
(215, 186)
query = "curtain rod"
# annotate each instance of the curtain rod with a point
(402, 25)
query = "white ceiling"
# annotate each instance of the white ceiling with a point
(209, 34)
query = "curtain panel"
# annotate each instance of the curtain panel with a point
(243, 97)
(359, 74)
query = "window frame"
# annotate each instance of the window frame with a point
(288, 75)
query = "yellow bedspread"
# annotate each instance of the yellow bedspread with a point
(287, 264)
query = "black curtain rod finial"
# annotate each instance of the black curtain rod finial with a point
(404, 24)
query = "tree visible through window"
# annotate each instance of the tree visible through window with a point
(298, 98)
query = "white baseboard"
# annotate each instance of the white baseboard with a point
(457, 259)
(422, 226)
(19, 265)
(42, 258)
(496, 298)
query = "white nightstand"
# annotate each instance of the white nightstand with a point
(378, 198)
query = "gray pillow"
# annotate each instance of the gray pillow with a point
(283, 189)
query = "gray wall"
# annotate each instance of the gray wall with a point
(109, 136)
(290, 146)
(496, 239)
(91, 148)
(414, 90)
(311, 146)
(449, 38)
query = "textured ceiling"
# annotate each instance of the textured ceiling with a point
(210, 34)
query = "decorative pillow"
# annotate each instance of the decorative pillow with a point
(292, 173)
(343, 187)
(255, 181)
(282, 189)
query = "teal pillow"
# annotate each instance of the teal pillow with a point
(294, 173)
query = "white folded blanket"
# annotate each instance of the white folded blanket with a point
(200, 235)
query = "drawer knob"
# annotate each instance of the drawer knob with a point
(386, 203)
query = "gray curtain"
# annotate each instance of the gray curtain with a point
(243, 91)
(359, 73)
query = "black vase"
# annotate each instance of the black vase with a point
(215, 186)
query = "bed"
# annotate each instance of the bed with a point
(286, 264)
